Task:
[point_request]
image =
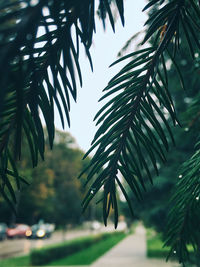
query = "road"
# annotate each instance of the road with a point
(17, 247)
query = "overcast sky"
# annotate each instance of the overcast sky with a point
(104, 50)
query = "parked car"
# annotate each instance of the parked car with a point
(41, 230)
(3, 228)
(18, 230)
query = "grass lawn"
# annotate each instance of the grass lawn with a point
(155, 247)
(13, 262)
(87, 256)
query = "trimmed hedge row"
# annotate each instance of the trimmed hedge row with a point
(45, 255)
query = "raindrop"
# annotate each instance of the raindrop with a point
(92, 192)
(50, 3)
(29, 36)
(34, 2)
(180, 176)
(174, 251)
(18, 21)
(187, 100)
(12, 38)
(197, 198)
(24, 5)
(183, 62)
(45, 11)
(16, 59)
(186, 129)
(26, 57)
(196, 55)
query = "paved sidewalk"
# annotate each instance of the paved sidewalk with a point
(131, 252)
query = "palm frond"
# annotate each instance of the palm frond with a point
(134, 125)
(39, 63)
(182, 229)
(184, 214)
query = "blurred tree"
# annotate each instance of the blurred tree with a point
(66, 162)
(55, 194)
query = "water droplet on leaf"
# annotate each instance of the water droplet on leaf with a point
(29, 36)
(34, 2)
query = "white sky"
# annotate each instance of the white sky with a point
(104, 50)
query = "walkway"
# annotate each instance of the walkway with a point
(131, 252)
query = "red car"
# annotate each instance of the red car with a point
(18, 230)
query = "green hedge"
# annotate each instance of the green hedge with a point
(45, 255)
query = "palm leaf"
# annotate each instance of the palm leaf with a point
(134, 133)
(184, 215)
(39, 62)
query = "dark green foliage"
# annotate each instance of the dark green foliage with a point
(185, 208)
(135, 130)
(45, 255)
(155, 205)
(39, 63)
(135, 123)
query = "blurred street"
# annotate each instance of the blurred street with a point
(16, 247)
(130, 252)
